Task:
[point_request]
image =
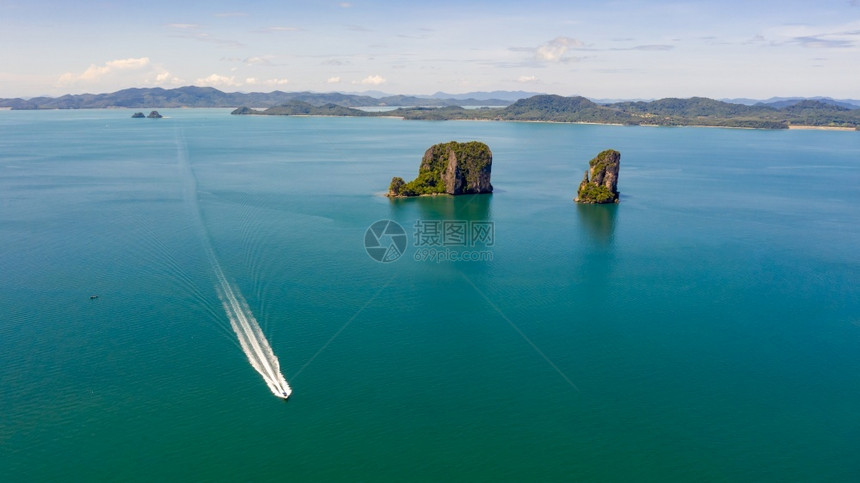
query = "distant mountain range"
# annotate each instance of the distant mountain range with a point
(779, 102)
(774, 113)
(510, 96)
(191, 96)
(696, 111)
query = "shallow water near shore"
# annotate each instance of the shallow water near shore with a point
(705, 328)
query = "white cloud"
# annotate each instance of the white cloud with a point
(195, 32)
(279, 28)
(133, 71)
(554, 50)
(823, 42)
(166, 78)
(651, 47)
(527, 78)
(253, 81)
(95, 72)
(333, 80)
(373, 80)
(257, 60)
(846, 35)
(344, 4)
(216, 80)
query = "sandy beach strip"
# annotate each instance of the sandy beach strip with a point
(822, 128)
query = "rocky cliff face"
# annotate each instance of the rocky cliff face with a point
(453, 168)
(600, 184)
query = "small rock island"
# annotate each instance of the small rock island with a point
(137, 115)
(449, 168)
(243, 111)
(600, 184)
(154, 115)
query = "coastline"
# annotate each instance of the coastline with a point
(820, 128)
(259, 112)
(790, 126)
(397, 197)
(591, 123)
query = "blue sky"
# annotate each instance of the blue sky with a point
(604, 49)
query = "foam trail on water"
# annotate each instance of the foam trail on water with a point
(251, 338)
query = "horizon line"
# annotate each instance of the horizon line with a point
(384, 94)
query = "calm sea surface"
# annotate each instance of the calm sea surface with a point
(705, 329)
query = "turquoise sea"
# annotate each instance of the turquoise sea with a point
(707, 328)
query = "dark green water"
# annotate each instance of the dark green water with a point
(705, 329)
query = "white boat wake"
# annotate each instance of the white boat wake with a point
(251, 338)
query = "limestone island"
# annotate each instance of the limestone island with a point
(449, 168)
(137, 115)
(154, 115)
(600, 184)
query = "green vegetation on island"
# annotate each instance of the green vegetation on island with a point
(696, 111)
(301, 108)
(600, 184)
(561, 109)
(453, 168)
(152, 115)
(431, 113)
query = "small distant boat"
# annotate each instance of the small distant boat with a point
(93, 297)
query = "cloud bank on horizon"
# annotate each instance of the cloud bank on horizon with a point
(620, 49)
